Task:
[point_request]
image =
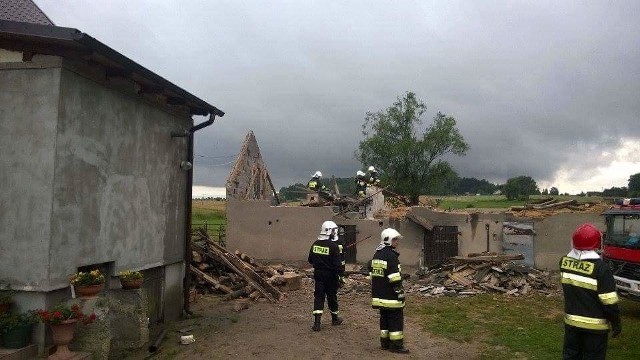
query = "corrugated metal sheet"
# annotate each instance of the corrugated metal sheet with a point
(23, 11)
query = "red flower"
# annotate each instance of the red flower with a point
(57, 314)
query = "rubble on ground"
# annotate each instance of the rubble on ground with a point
(483, 273)
(236, 275)
(551, 206)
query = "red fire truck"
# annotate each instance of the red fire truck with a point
(622, 245)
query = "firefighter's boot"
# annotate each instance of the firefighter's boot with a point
(397, 346)
(316, 322)
(384, 343)
(335, 320)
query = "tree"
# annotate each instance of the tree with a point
(634, 185)
(545, 191)
(475, 186)
(554, 191)
(409, 158)
(520, 188)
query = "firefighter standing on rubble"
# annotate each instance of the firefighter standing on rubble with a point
(590, 298)
(328, 273)
(387, 292)
(372, 176)
(361, 184)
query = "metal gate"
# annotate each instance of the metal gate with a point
(518, 239)
(347, 235)
(440, 243)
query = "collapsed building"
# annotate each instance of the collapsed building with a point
(255, 224)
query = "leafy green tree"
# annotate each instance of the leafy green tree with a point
(475, 186)
(554, 191)
(293, 192)
(545, 191)
(520, 188)
(407, 156)
(616, 192)
(634, 185)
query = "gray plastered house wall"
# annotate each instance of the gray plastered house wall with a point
(91, 177)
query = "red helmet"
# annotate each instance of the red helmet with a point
(586, 237)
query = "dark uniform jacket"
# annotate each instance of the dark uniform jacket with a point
(361, 186)
(590, 298)
(324, 255)
(386, 280)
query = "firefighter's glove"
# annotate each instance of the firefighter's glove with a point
(340, 281)
(616, 329)
(400, 294)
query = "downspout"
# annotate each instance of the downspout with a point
(187, 216)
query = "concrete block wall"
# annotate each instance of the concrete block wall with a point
(293, 229)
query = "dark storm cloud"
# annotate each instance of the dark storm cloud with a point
(535, 87)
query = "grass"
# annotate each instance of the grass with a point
(213, 212)
(509, 328)
(494, 201)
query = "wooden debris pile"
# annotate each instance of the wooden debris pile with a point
(236, 275)
(481, 274)
(551, 206)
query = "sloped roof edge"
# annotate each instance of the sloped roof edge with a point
(56, 40)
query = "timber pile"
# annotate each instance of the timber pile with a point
(236, 275)
(554, 205)
(483, 273)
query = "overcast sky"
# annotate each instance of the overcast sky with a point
(548, 89)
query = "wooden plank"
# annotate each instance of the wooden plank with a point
(210, 280)
(499, 258)
(217, 256)
(460, 279)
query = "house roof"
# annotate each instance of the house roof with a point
(72, 43)
(23, 11)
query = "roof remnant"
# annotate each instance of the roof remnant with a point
(23, 11)
(249, 178)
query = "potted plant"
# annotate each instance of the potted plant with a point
(130, 279)
(87, 284)
(62, 319)
(16, 328)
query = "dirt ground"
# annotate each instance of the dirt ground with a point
(283, 331)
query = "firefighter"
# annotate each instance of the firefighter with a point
(387, 292)
(342, 249)
(372, 176)
(328, 272)
(314, 184)
(361, 184)
(590, 298)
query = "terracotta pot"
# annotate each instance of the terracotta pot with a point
(88, 291)
(131, 284)
(62, 335)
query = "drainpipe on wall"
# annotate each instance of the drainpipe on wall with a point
(187, 215)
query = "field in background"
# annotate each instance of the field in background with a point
(210, 215)
(495, 201)
(516, 328)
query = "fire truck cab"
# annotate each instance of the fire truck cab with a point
(622, 246)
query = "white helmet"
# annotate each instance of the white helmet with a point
(326, 229)
(317, 174)
(389, 234)
(371, 168)
(360, 173)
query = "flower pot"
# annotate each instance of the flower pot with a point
(131, 284)
(88, 291)
(18, 337)
(62, 335)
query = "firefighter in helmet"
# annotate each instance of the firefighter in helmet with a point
(361, 184)
(372, 176)
(315, 184)
(590, 298)
(328, 273)
(387, 292)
